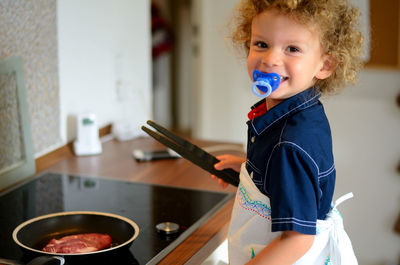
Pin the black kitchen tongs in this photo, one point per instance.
(191, 152)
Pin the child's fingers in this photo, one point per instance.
(225, 161)
(222, 183)
(229, 161)
(219, 165)
(225, 164)
(224, 157)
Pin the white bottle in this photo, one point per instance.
(87, 142)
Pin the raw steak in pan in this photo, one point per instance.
(80, 243)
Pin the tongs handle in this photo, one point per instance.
(191, 152)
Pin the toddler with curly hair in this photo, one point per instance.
(283, 212)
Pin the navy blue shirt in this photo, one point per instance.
(289, 157)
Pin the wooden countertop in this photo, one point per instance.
(116, 162)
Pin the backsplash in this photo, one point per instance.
(28, 28)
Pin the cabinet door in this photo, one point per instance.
(385, 45)
(16, 155)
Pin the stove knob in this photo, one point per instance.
(167, 228)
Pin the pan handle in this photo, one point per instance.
(9, 262)
(42, 260)
(47, 260)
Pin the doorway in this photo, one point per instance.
(174, 51)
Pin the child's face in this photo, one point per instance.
(279, 44)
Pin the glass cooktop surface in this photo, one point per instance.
(145, 204)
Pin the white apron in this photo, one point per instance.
(250, 230)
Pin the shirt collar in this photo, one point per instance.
(297, 102)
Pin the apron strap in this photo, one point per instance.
(341, 249)
(342, 199)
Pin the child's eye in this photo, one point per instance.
(292, 49)
(261, 44)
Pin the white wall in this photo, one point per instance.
(365, 126)
(223, 84)
(104, 61)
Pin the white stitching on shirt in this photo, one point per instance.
(326, 173)
(328, 170)
(301, 149)
(292, 218)
(320, 174)
(253, 166)
(293, 222)
(252, 121)
(291, 143)
(283, 128)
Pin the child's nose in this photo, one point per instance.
(271, 57)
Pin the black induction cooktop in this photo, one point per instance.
(147, 205)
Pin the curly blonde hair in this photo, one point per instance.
(338, 25)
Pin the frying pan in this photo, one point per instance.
(35, 233)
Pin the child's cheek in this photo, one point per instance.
(250, 68)
(253, 63)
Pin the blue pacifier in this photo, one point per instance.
(265, 82)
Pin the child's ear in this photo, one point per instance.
(328, 66)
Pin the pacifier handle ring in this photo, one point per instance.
(263, 84)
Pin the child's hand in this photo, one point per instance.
(227, 161)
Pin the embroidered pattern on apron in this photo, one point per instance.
(328, 261)
(245, 201)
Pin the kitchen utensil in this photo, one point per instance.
(191, 152)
